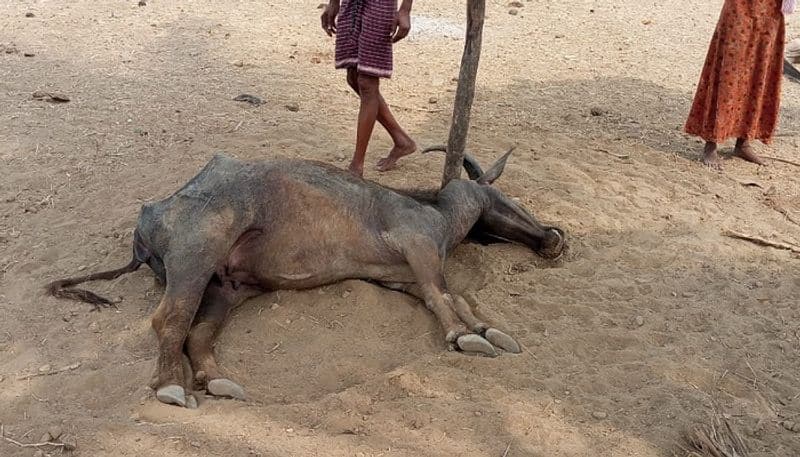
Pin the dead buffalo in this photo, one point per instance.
(239, 229)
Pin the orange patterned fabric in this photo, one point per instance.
(739, 91)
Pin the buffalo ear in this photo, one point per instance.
(496, 169)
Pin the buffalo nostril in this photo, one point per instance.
(553, 244)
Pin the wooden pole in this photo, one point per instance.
(465, 92)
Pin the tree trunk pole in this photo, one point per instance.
(457, 141)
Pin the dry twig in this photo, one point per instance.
(619, 156)
(779, 159)
(762, 241)
(64, 446)
(274, 348)
(74, 366)
(782, 210)
(717, 439)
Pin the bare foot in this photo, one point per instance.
(356, 169)
(744, 151)
(398, 151)
(710, 156)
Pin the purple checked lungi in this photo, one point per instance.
(363, 36)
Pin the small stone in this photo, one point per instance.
(191, 402)
(251, 99)
(687, 295)
(433, 100)
(516, 4)
(478, 414)
(28, 54)
(596, 111)
(45, 437)
(194, 444)
(513, 12)
(45, 368)
(239, 63)
(55, 432)
(346, 293)
(638, 320)
(94, 327)
(70, 443)
(274, 306)
(792, 426)
(29, 14)
(599, 415)
(82, 267)
(142, 3)
(293, 107)
(289, 430)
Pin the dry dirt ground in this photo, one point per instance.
(652, 322)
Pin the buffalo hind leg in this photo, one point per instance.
(464, 312)
(189, 267)
(171, 322)
(219, 299)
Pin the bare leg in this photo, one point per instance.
(710, 156)
(369, 92)
(220, 298)
(403, 144)
(744, 151)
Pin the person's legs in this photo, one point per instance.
(369, 92)
(710, 155)
(403, 144)
(744, 151)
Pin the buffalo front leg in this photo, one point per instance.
(427, 267)
(464, 312)
(495, 336)
(220, 298)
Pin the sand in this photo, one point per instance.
(653, 321)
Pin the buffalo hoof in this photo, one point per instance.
(191, 402)
(222, 387)
(172, 395)
(503, 341)
(476, 343)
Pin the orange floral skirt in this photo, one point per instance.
(739, 91)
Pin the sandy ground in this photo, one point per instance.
(652, 322)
